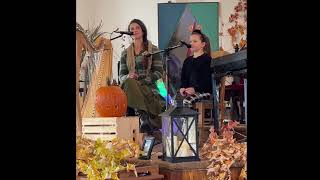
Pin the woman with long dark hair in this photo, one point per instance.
(138, 75)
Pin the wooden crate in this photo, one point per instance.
(203, 134)
(204, 108)
(108, 128)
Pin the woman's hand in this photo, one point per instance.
(190, 91)
(133, 75)
(182, 92)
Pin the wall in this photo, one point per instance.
(85, 12)
(118, 13)
(226, 8)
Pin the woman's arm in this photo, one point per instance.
(156, 66)
(123, 75)
(156, 69)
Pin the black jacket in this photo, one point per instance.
(196, 73)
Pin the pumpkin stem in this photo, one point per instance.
(108, 82)
(114, 83)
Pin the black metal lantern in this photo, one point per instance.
(180, 136)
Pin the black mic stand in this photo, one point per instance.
(116, 37)
(166, 54)
(121, 34)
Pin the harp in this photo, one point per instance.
(93, 70)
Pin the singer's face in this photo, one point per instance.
(137, 31)
(196, 43)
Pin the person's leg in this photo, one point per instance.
(148, 104)
(144, 121)
(134, 95)
(154, 106)
(130, 111)
(136, 100)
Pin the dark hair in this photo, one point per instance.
(203, 38)
(144, 31)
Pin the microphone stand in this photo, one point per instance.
(116, 37)
(166, 54)
(121, 34)
(118, 61)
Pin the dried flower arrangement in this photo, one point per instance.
(223, 153)
(101, 159)
(91, 35)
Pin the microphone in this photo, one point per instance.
(186, 44)
(125, 32)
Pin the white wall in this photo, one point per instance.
(118, 13)
(85, 12)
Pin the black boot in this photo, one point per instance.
(144, 121)
(130, 111)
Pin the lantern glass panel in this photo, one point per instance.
(183, 123)
(166, 135)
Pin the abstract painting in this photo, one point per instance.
(175, 23)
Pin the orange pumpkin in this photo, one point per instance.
(111, 101)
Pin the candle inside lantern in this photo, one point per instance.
(184, 150)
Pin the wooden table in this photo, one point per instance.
(152, 169)
(196, 170)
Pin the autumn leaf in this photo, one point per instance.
(242, 42)
(236, 15)
(231, 19)
(132, 167)
(239, 7)
(222, 175)
(240, 29)
(210, 170)
(115, 176)
(232, 124)
(243, 174)
(232, 31)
